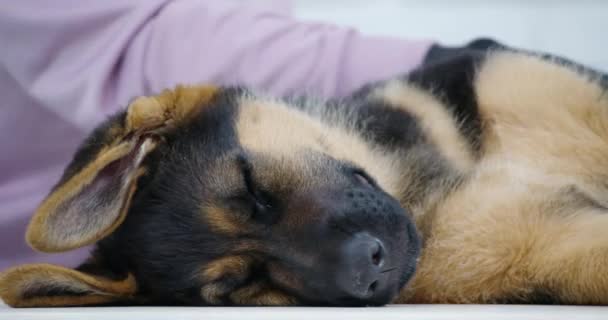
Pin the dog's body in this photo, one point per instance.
(498, 158)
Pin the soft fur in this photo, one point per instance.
(219, 196)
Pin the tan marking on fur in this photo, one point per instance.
(482, 236)
(506, 234)
(260, 294)
(15, 283)
(510, 229)
(213, 293)
(434, 117)
(168, 108)
(41, 236)
(226, 266)
(215, 273)
(544, 115)
(223, 221)
(115, 132)
(283, 276)
(66, 301)
(283, 132)
(573, 264)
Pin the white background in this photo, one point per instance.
(575, 28)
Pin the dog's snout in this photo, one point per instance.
(362, 258)
(367, 252)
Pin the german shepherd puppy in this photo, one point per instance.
(478, 178)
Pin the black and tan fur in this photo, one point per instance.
(219, 196)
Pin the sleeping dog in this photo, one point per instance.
(477, 178)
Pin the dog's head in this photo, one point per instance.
(207, 196)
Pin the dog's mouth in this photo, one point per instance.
(369, 270)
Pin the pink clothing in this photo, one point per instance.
(67, 64)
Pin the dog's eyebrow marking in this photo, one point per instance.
(222, 221)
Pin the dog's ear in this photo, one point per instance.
(45, 285)
(93, 196)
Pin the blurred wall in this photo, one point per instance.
(576, 28)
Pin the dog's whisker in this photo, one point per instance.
(388, 270)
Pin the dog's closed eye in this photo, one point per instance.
(261, 203)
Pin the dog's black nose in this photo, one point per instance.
(362, 258)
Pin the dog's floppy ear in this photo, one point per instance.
(93, 196)
(45, 285)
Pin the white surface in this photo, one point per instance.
(409, 312)
(575, 29)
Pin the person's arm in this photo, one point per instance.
(65, 65)
(86, 58)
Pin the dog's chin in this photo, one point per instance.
(407, 274)
(401, 279)
(412, 255)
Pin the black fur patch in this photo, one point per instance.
(438, 53)
(388, 126)
(452, 80)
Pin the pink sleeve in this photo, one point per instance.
(99, 54)
(66, 64)
(193, 41)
